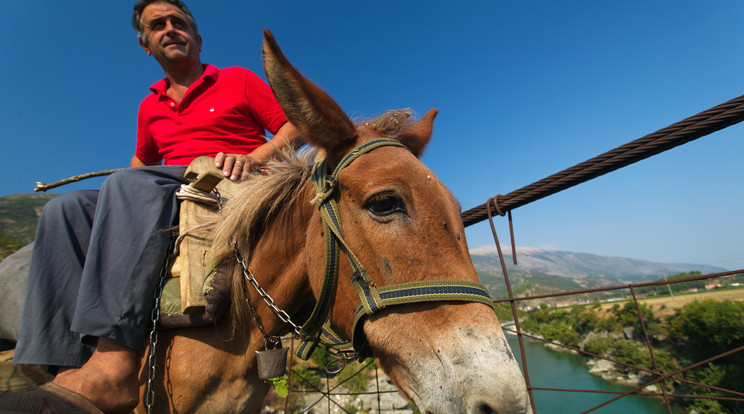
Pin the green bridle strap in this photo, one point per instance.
(423, 291)
(317, 328)
(324, 188)
(328, 337)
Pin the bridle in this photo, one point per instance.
(317, 329)
(372, 298)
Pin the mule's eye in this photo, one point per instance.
(385, 204)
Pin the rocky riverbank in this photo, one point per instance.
(607, 370)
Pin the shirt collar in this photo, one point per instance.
(210, 71)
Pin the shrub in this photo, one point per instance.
(353, 378)
(321, 357)
(305, 376)
(711, 327)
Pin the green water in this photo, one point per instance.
(552, 369)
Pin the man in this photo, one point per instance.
(98, 254)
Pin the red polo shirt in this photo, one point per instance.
(225, 110)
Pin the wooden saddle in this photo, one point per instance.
(199, 204)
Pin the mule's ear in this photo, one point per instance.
(318, 117)
(417, 136)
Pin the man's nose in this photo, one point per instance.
(169, 26)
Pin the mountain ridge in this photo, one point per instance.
(581, 265)
(546, 271)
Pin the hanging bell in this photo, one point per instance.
(271, 362)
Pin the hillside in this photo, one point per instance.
(19, 214)
(547, 270)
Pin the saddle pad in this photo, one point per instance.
(216, 291)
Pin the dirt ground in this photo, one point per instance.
(665, 305)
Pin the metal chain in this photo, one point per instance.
(284, 316)
(270, 342)
(155, 317)
(254, 314)
(342, 356)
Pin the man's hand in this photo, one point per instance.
(238, 166)
(235, 166)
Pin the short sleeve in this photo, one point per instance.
(146, 150)
(263, 105)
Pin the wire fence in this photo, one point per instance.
(315, 392)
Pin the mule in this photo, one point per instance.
(400, 222)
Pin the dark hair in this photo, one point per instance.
(141, 4)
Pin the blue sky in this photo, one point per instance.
(524, 89)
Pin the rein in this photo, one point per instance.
(317, 329)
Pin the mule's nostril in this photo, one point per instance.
(486, 409)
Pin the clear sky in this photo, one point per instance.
(524, 89)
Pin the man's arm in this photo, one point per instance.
(238, 166)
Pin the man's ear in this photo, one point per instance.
(147, 49)
(199, 39)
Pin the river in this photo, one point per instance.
(554, 369)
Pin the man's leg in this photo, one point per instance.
(129, 243)
(60, 247)
(132, 232)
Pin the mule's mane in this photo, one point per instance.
(259, 200)
(390, 123)
(263, 197)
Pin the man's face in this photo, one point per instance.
(169, 36)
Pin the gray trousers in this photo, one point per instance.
(95, 266)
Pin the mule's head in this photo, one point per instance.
(404, 226)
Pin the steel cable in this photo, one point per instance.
(689, 129)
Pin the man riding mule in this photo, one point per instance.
(98, 254)
(371, 233)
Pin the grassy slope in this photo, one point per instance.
(19, 214)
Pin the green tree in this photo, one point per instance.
(706, 328)
(504, 312)
(710, 327)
